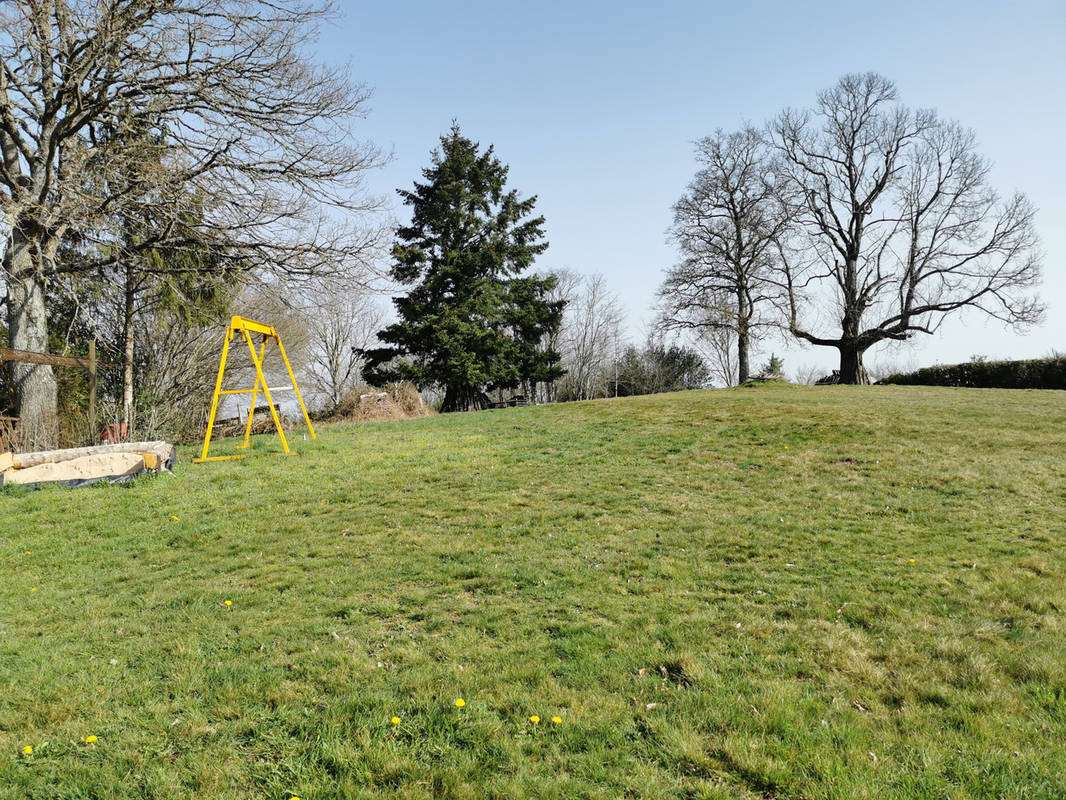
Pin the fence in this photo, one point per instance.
(90, 365)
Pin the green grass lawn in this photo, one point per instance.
(778, 592)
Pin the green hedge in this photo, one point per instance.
(1039, 373)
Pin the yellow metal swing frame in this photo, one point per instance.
(247, 328)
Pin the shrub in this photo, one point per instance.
(1039, 373)
(657, 368)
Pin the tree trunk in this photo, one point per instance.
(743, 337)
(851, 368)
(35, 385)
(464, 398)
(742, 357)
(126, 429)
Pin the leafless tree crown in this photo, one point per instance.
(590, 336)
(898, 224)
(727, 227)
(259, 137)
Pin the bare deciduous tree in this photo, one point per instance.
(899, 223)
(565, 290)
(591, 339)
(340, 328)
(718, 348)
(727, 226)
(257, 136)
(182, 364)
(808, 374)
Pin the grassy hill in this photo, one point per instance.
(777, 592)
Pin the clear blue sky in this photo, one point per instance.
(595, 106)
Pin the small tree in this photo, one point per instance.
(772, 370)
(590, 338)
(657, 368)
(341, 324)
(469, 323)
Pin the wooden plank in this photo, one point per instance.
(30, 357)
(7, 461)
(26, 356)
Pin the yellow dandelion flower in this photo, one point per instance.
(534, 719)
(557, 720)
(29, 553)
(229, 602)
(90, 739)
(174, 518)
(912, 560)
(33, 588)
(395, 720)
(27, 749)
(460, 702)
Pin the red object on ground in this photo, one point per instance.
(110, 434)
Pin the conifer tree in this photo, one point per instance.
(469, 323)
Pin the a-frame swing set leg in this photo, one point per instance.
(260, 378)
(255, 392)
(214, 399)
(299, 396)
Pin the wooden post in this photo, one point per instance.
(92, 390)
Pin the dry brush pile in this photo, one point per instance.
(395, 401)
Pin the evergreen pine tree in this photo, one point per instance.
(469, 323)
(533, 320)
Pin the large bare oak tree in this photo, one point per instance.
(897, 224)
(244, 124)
